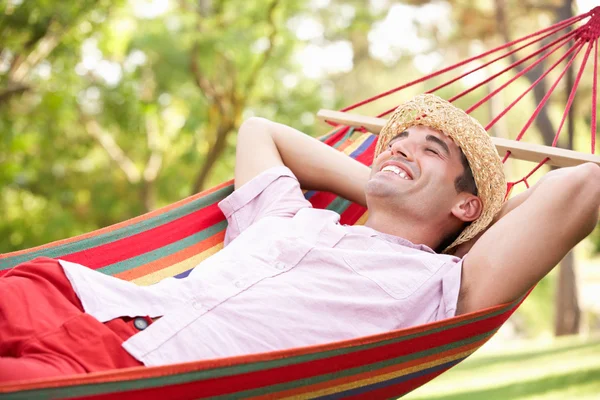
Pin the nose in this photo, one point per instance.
(402, 148)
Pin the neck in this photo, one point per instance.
(417, 231)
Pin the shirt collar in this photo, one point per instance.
(365, 230)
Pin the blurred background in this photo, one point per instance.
(112, 108)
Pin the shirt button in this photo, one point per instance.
(197, 305)
(279, 265)
(239, 284)
(140, 323)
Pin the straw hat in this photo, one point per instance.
(468, 134)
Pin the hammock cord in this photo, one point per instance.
(573, 91)
(574, 39)
(542, 103)
(496, 59)
(511, 105)
(558, 26)
(594, 97)
(560, 41)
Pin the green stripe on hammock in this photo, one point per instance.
(164, 251)
(142, 226)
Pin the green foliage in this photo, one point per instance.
(106, 114)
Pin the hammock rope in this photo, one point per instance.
(173, 240)
(594, 95)
(574, 39)
(558, 26)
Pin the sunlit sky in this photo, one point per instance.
(388, 39)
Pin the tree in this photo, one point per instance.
(567, 312)
(128, 111)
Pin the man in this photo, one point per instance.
(292, 276)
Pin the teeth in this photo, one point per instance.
(392, 168)
(396, 170)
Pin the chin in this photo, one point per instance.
(376, 188)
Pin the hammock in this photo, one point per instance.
(173, 240)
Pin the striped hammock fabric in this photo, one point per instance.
(173, 240)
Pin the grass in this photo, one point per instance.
(566, 368)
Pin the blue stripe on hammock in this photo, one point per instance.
(364, 146)
(183, 274)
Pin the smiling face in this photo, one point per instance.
(416, 175)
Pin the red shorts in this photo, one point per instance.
(44, 331)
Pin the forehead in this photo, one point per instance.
(421, 131)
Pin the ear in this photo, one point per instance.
(468, 207)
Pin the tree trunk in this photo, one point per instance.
(215, 151)
(148, 195)
(567, 312)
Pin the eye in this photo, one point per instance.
(432, 151)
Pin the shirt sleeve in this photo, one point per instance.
(274, 192)
(450, 290)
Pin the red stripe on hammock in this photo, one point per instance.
(337, 136)
(167, 261)
(366, 157)
(252, 380)
(352, 214)
(366, 375)
(149, 240)
(139, 373)
(324, 199)
(352, 360)
(120, 225)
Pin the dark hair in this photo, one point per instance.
(463, 183)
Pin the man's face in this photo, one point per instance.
(416, 172)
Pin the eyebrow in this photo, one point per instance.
(402, 134)
(440, 142)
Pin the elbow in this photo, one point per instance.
(254, 125)
(584, 184)
(583, 178)
(587, 178)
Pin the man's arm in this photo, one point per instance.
(514, 202)
(263, 144)
(533, 236)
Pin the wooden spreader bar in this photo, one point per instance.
(519, 150)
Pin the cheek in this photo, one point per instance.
(441, 178)
(381, 157)
(377, 161)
